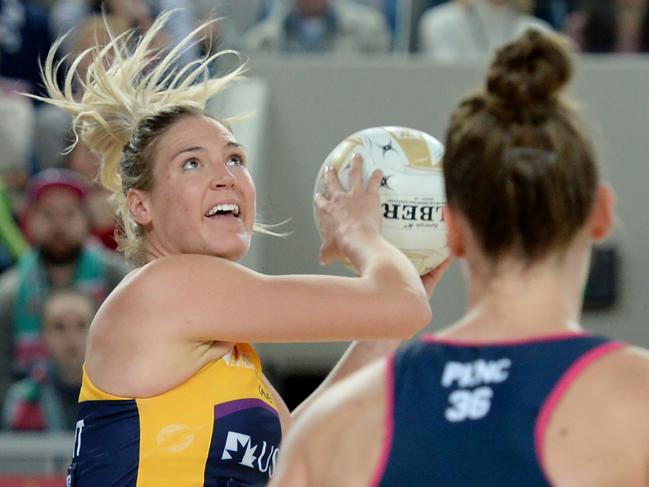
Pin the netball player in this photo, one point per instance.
(514, 393)
(173, 394)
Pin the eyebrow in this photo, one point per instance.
(230, 144)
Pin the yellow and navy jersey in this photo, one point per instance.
(219, 428)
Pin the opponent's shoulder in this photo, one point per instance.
(340, 435)
(630, 367)
(621, 378)
(349, 397)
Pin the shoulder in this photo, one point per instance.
(185, 266)
(345, 426)
(351, 395)
(176, 275)
(629, 367)
(618, 380)
(605, 412)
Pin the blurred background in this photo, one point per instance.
(318, 70)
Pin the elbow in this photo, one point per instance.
(424, 313)
(417, 314)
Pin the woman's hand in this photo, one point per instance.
(432, 278)
(348, 215)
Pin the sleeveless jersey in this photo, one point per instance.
(475, 414)
(219, 428)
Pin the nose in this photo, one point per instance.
(223, 177)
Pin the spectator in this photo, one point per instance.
(69, 14)
(57, 227)
(24, 37)
(16, 120)
(12, 243)
(471, 30)
(605, 26)
(52, 124)
(320, 26)
(102, 217)
(554, 12)
(47, 400)
(235, 19)
(417, 8)
(16, 140)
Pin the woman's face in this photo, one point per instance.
(203, 197)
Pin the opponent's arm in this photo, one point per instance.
(339, 440)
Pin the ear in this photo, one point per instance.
(601, 217)
(455, 234)
(140, 205)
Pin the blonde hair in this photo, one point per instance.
(131, 95)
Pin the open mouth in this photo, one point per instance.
(223, 209)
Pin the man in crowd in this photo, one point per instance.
(56, 224)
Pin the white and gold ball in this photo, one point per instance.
(412, 190)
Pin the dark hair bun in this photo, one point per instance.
(531, 69)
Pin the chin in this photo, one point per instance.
(233, 252)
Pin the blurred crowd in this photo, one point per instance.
(57, 252)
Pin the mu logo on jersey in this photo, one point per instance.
(240, 448)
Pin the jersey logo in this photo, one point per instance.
(240, 360)
(239, 447)
(471, 398)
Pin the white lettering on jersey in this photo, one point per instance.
(469, 404)
(266, 460)
(240, 361)
(77, 438)
(475, 373)
(471, 398)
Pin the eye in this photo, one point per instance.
(235, 160)
(190, 164)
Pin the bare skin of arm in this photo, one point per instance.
(338, 441)
(169, 318)
(362, 353)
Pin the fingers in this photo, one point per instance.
(374, 182)
(324, 257)
(320, 201)
(432, 278)
(328, 249)
(439, 271)
(356, 172)
(332, 183)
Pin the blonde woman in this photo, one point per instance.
(515, 393)
(173, 394)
